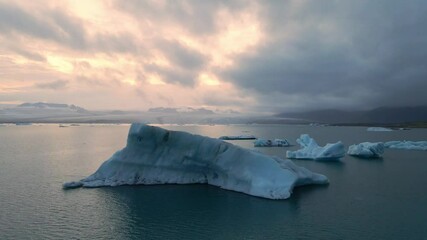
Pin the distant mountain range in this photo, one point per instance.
(382, 115)
(40, 112)
(55, 106)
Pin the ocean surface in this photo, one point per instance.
(366, 199)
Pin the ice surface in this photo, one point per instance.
(378, 129)
(366, 150)
(311, 150)
(157, 156)
(271, 143)
(408, 145)
(240, 137)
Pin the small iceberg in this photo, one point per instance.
(407, 145)
(23, 124)
(240, 137)
(366, 150)
(379, 129)
(158, 156)
(271, 143)
(311, 150)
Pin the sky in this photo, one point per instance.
(248, 56)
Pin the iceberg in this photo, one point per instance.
(158, 156)
(408, 145)
(366, 150)
(311, 150)
(23, 124)
(240, 137)
(271, 143)
(379, 129)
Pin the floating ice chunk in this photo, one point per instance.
(379, 129)
(72, 185)
(408, 145)
(271, 143)
(366, 150)
(310, 150)
(240, 137)
(157, 156)
(23, 124)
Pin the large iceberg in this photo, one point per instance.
(158, 156)
(366, 150)
(408, 145)
(311, 150)
(271, 143)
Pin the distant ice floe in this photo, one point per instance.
(240, 137)
(318, 125)
(158, 156)
(407, 145)
(23, 124)
(311, 150)
(366, 150)
(379, 129)
(271, 143)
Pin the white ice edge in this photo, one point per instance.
(310, 150)
(366, 150)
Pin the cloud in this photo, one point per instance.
(54, 85)
(173, 75)
(28, 54)
(184, 63)
(182, 56)
(14, 19)
(260, 56)
(197, 17)
(61, 27)
(116, 43)
(51, 25)
(359, 54)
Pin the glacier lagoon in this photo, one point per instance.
(366, 199)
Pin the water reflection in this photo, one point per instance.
(197, 211)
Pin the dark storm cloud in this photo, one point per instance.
(371, 53)
(182, 56)
(55, 26)
(122, 43)
(174, 75)
(13, 18)
(54, 85)
(185, 63)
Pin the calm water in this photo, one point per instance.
(366, 199)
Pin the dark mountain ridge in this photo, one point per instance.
(43, 105)
(384, 115)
